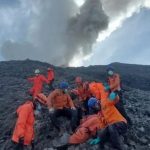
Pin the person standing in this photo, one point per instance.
(38, 80)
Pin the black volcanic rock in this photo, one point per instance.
(13, 88)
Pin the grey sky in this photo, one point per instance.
(61, 33)
(128, 44)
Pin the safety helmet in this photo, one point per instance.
(37, 71)
(110, 70)
(78, 80)
(63, 85)
(92, 102)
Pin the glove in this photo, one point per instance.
(94, 141)
(112, 96)
(51, 110)
(107, 88)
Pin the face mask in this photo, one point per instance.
(110, 73)
(66, 91)
(97, 107)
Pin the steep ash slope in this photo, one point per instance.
(13, 87)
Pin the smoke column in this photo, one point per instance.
(57, 31)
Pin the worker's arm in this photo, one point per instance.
(95, 92)
(31, 79)
(50, 75)
(53, 75)
(44, 79)
(70, 102)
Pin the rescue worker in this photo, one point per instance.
(60, 104)
(115, 123)
(89, 125)
(23, 135)
(114, 85)
(106, 122)
(83, 93)
(38, 80)
(87, 129)
(50, 77)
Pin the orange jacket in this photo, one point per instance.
(25, 124)
(97, 90)
(93, 123)
(110, 112)
(87, 129)
(114, 82)
(83, 93)
(50, 75)
(42, 98)
(58, 100)
(37, 84)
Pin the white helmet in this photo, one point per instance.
(37, 71)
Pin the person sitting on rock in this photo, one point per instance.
(114, 85)
(87, 129)
(83, 93)
(23, 134)
(115, 123)
(60, 104)
(50, 77)
(107, 124)
(37, 81)
(97, 89)
(89, 125)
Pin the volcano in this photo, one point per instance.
(14, 85)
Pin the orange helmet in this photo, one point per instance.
(78, 80)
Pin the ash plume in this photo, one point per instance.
(57, 31)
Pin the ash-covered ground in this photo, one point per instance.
(14, 85)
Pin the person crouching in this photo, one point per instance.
(60, 104)
(23, 134)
